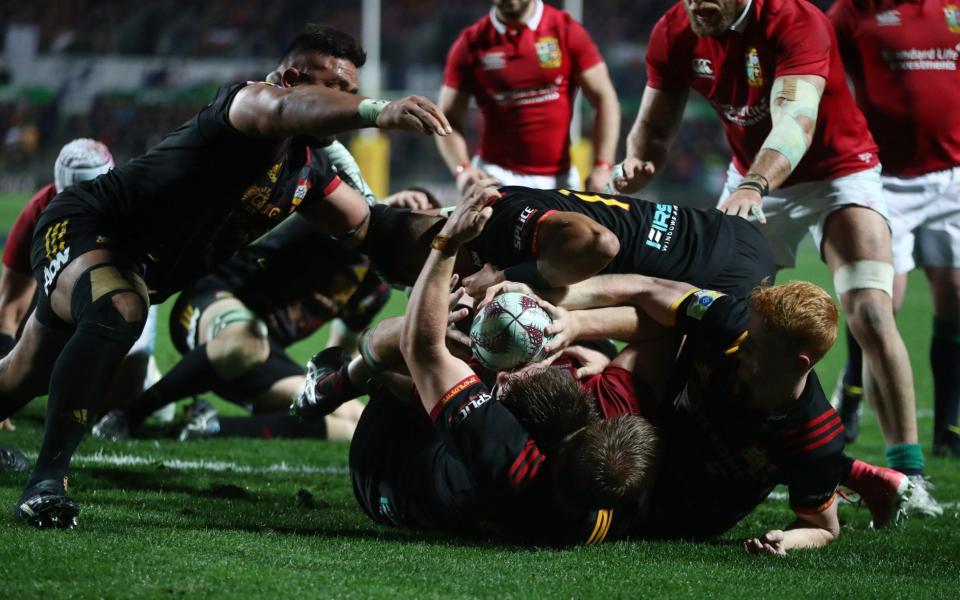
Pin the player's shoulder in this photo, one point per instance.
(477, 31)
(553, 16)
(673, 28)
(794, 12)
(816, 430)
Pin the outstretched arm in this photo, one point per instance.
(599, 91)
(649, 140)
(434, 368)
(806, 531)
(273, 112)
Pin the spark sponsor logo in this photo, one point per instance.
(754, 71)
(491, 61)
(470, 406)
(528, 212)
(922, 59)
(664, 225)
(548, 52)
(50, 271)
(888, 18)
(702, 68)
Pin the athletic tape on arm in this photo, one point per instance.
(864, 274)
(798, 98)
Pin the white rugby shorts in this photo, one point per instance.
(925, 212)
(569, 180)
(795, 210)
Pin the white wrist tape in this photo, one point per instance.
(864, 274)
(369, 109)
(790, 99)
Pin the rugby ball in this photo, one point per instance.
(508, 332)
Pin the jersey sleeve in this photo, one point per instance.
(661, 74)
(486, 437)
(583, 50)
(716, 321)
(615, 392)
(323, 172)
(458, 72)
(16, 251)
(801, 34)
(213, 121)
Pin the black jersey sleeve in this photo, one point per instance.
(814, 451)
(486, 436)
(510, 236)
(213, 122)
(715, 321)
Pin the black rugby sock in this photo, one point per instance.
(192, 376)
(272, 425)
(82, 372)
(945, 362)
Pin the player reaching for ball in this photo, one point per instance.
(471, 463)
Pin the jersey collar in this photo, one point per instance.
(744, 19)
(532, 24)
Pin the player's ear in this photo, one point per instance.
(804, 361)
(290, 77)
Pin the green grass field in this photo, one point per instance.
(277, 518)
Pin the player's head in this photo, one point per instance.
(550, 404)
(512, 10)
(712, 17)
(321, 55)
(792, 327)
(610, 463)
(81, 160)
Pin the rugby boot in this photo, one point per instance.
(45, 505)
(324, 389)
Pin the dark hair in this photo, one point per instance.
(550, 404)
(328, 41)
(607, 464)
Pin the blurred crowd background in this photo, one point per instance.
(128, 71)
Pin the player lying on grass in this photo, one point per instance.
(79, 160)
(740, 411)
(104, 250)
(551, 238)
(456, 459)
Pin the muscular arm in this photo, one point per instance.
(272, 112)
(572, 247)
(794, 117)
(655, 297)
(344, 214)
(649, 140)
(599, 91)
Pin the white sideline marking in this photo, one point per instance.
(129, 460)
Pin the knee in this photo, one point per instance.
(869, 314)
(130, 306)
(238, 349)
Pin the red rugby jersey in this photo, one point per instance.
(735, 73)
(904, 58)
(524, 81)
(16, 251)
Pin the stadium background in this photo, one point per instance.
(248, 518)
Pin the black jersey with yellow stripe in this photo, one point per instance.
(659, 240)
(721, 456)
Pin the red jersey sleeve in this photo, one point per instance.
(660, 74)
(614, 391)
(582, 49)
(458, 73)
(802, 36)
(16, 252)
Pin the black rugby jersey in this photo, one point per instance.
(205, 190)
(297, 278)
(720, 457)
(659, 240)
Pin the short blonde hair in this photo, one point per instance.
(801, 312)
